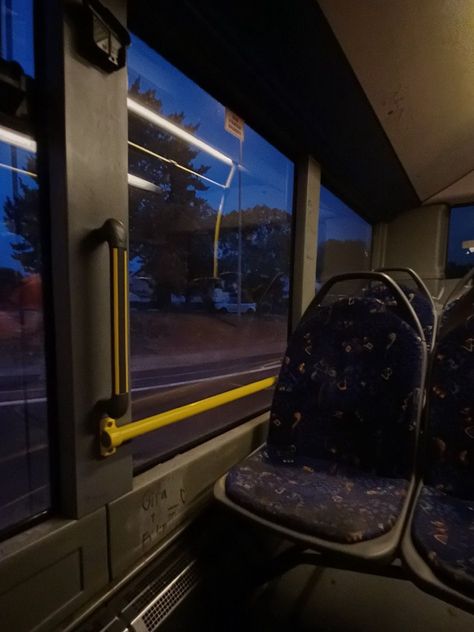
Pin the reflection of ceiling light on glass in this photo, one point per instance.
(175, 130)
(17, 139)
(469, 245)
(18, 170)
(175, 164)
(26, 142)
(140, 183)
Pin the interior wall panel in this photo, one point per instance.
(416, 239)
(49, 571)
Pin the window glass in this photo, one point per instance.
(24, 462)
(344, 238)
(210, 221)
(16, 33)
(460, 241)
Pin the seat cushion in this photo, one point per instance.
(318, 497)
(443, 532)
(450, 434)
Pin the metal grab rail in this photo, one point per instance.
(421, 285)
(112, 436)
(114, 234)
(381, 277)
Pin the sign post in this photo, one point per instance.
(235, 126)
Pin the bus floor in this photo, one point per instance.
(231, 559)
(316, 599)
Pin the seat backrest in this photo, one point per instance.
(422, 307)
(457, 295)
(349, 389)
(450, 432)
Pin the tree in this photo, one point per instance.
(22, 219)
(162, 223)
(265, 248)
(265, 240)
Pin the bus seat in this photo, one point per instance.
(442, 525)
(337, 469)
(419, 297)
(460, 290)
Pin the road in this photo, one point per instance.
(150, 385)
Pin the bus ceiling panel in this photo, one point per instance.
(415, 63)
(285, 73)
(459, 192)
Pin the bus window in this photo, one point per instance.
(24, 459)
(210, 223)
(344, 238)
(460, 257)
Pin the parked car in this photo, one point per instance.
(141, 291)
(232, 307)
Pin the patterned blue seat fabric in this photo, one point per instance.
(339, 454)
(443, 523)
(421, 306)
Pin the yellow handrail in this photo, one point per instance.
(112, 436)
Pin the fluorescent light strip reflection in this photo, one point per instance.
(175, 164)
(29, 144)
(140, 183)
(18, 170)
(17, 139)
(133, 181)
(175, 130)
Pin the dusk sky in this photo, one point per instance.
(339, 221)
(18, 44)
(6, 189)
(18, 47)
(461, 228)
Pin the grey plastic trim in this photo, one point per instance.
(88, 163)
(306, 225)
(418, 238)
(81, 615)
(48, 572)
(172, 493)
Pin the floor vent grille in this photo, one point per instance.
(166, 600)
